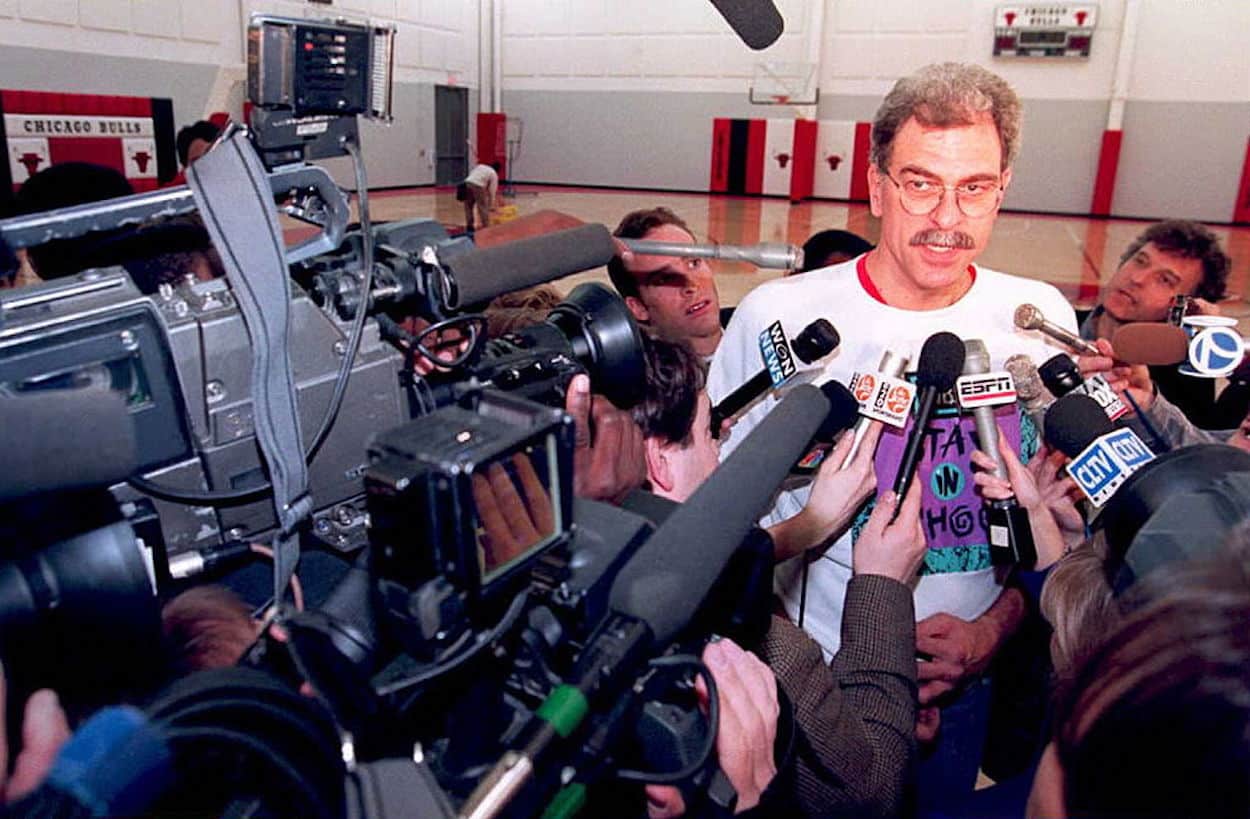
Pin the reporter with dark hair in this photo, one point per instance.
(855, 716)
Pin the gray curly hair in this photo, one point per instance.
(947, 95)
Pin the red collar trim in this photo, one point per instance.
(861, 269)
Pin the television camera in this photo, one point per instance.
(495, 642)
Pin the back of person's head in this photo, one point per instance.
(519, 309)
(674, 379)
(1189, 240)
(635, 225)
(205, 627)
(202, 130)
(61, 186)
(948, 95)
(829, 247)
(1079, 604)
(1156, 722)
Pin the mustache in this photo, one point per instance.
(944, 238)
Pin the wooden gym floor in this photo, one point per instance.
(1075, 254)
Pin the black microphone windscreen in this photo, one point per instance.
(64, 439)
(1060, 374)
(487, 272)
(667, 579)
(843, 410)
(1073, 422)
(816, 341)
(941, 361)
(757, 22)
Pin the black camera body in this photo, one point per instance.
(461, 503)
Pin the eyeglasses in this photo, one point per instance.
(920, 196)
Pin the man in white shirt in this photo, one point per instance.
(943, 143)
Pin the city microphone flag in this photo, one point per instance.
(133, 135)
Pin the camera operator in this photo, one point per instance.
(855, 715)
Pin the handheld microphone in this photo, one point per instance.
(483, 273)
(1102, 457)
(1011, 537)
(1029, 317)
(843, 410)
(1061, 376)
(941, 359)
(116, 764)
(769, 255)
(892, 367)
(1033, 395)
(816, 341)
(1150, 343)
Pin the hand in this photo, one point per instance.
(44, 731)
(512, 522)
(892, 549)
(1021, 484)
(835, 496)
(958, 650)
(1133, 379)
(928, 720)
(837, 492)
(1202, 307)
(1059, 495)
(609, 460)
(747, 695)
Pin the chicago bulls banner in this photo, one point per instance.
(134, 135)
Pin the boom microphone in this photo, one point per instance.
(770, 255)
(64, 439)
(666, 580)
(941, 359)
(482, 274)
(1029, 317)
(816, 341)
(757, 22)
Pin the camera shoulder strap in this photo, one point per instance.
(233, 193)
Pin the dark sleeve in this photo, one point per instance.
(1193, 396)
(855, 717)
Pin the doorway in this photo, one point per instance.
(451, 134)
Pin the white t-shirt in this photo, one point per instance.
(484, 177)
(957, 576)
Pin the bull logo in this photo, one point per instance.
(782, 159)
(141, 159)
(834, 161)
(31, 160)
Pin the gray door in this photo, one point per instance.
(451, 134)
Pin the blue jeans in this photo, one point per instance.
(946, 771)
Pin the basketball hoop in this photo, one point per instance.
(779, 83)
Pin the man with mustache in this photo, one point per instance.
(943, 144)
